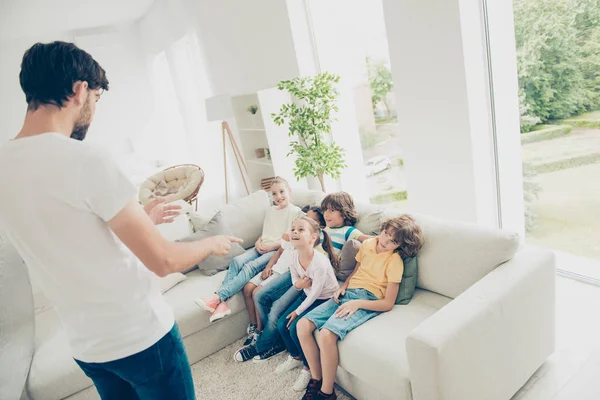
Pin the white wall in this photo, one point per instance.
(249, 44)
(440, 79)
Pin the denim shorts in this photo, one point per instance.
(323, 317)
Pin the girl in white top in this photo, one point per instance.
(253, 261)
(314, 274)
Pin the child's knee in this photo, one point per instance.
(328, 337)
(282, 325)
(305, 327)
(249, 289)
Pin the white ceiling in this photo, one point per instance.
(24, 18)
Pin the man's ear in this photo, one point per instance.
(80, 92)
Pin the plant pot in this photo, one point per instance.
(260, 153)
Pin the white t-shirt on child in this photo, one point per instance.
(59, 194)
(277, 222)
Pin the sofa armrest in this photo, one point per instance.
(488, 341)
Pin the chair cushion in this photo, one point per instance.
(375, 351)
(179, 183)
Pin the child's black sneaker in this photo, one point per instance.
(312, 389)
(252, 335)
(245, 353)
(265, 355)
(323, 396)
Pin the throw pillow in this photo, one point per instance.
(409, 281)
(168, 282)
(348, 259)
(216, 226)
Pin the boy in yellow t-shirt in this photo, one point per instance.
(370, 290)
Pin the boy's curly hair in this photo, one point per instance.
(406, 232)
(342, 202)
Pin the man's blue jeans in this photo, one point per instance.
(271, 302)
(241, 270)
(162, 371)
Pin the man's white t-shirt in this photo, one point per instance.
(57, 195)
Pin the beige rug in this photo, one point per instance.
(219, 377)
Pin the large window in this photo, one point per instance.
(558, 53)
(353, 45)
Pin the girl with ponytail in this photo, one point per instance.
(313, 273)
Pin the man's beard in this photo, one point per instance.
(82, 124)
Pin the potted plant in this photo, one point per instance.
(252, 109)
(310, 121)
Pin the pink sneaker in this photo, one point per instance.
(208, 303)
(221, 312)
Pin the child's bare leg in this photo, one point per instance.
(248, 289)
(259, 326)
(305, 329)
(329, 358)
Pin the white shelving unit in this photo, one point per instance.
(259, 131)
(252, 136)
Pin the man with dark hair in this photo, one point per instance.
(74, 218)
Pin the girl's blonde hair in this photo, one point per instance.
(279, 179)
(327, 245)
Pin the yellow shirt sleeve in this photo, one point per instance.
(360, 254)
(395, 269)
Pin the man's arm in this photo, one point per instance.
(137, 231)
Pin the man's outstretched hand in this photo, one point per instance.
(221, 244)
(161, 213)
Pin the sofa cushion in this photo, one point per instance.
(348, 259)
(370, 217)
(409, 281)
(53, 373)
(375, 351)
(213, 264)
(455, 255)
(190, 317)
(305, 197)
(245, 216)
(168, 282)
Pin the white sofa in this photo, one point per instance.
(481, 321)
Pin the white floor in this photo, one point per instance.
(573, 372)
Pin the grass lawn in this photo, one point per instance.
(591, 116)
(567, 215)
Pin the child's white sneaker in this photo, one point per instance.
(302, 380)
(289, 364)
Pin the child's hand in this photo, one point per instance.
(267, 272)
(260, 247)
(286, 237)
(304, 283)
(347, 309)
(337, 294)
(293, 315)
